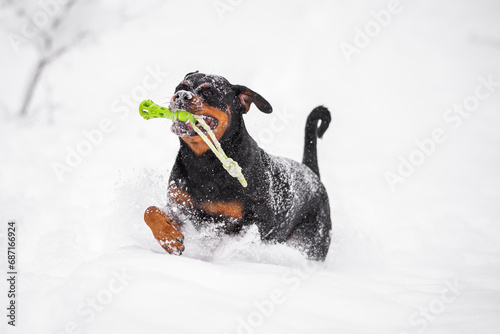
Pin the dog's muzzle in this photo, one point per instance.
(181, 100)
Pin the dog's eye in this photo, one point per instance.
(181, 87)
(207, 91)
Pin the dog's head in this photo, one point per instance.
(221, 103)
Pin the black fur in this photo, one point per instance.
(310, 158)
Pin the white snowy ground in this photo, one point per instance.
(422, 258)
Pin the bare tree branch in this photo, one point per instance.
(67, 8)
(47, 56)
(63, 32)
(42, 64)
(35, 78)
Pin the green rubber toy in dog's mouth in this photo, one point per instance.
(188, 124)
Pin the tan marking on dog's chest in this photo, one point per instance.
(232, 209)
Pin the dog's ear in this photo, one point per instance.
(191, 73)
(248, 96)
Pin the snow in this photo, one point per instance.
(421, 258)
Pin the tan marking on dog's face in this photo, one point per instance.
(196, 143)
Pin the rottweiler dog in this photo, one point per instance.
(284, 199)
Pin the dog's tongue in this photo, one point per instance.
(209, 122)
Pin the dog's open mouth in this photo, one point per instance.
(186, 129)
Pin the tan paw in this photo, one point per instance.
(165, 229)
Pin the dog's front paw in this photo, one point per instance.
(165, 229)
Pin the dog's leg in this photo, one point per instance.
(312, 234)
(165, 229)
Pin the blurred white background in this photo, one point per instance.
(79, 165)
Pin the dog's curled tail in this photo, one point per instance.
(313, 131)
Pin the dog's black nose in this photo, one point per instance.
(183, 96)
(181, 100)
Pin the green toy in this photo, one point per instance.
(148, 109)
